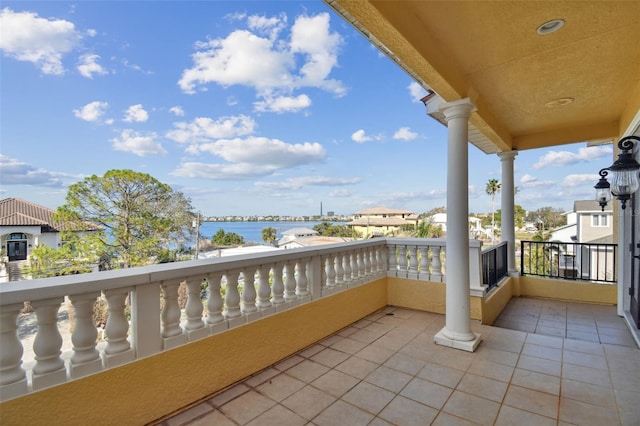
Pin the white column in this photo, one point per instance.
(457, 330)
(507, 229)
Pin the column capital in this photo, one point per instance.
(507, 155)
(461, 108)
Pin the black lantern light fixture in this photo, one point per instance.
(624, 175)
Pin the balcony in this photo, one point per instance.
(163, 359)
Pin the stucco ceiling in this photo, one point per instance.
(579, 83)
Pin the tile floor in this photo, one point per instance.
(386, 370)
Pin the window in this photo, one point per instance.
(599, 220)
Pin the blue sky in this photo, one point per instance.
(246, 107)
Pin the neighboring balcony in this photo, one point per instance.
(257, 310)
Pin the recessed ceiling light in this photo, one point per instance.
(550, 26)
(559, 102)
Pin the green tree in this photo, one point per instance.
(547, 218)
(141, 217)
(493, 187)
(269, 235)
(327, 229)
(222, 238)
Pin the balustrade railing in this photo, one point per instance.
(146, 315)
(571, 261)
(494, 264)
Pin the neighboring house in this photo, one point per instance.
(293, 234)
(23, 226)
(586, 224)
(475, 225)
(313, 241)
(381, 221)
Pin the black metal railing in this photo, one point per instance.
(571, 261)
(494, 264)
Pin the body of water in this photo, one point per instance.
(252, 231)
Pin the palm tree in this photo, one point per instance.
(269, 235)
(493, 187)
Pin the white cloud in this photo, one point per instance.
(580, 180)
(341, 193)
(91, 111)
(283, 104)
(221, 171)
(405, 134)
(136, 113)
(359, 136)
(15, 172)
(301, 182)
(416, 91)
(88, 65)
(528, 181)
(27, 37)
(269, 64)
(565, 158)
(205, 129)
(177, 110)
(138, 144)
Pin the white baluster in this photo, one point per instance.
(413, 262)
(264, 290)
(86, 358)
(215, 319)
(339, 269)
(392, 260)
(381, 254)
(402, 261)
(249, 291)
(194, 327)
(232, 299)
(331, 270)
(171, 310)
(13, 379)
(373, 260)
(346, 265)
(118, 350)
(302, 282)
(366, 254)
(436, 264)
(290, 281)
(278, 286)
(49, 368)
(424, 262)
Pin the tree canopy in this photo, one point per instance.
(269, 234)
(222, 238)
(327, 229)
(141, 217)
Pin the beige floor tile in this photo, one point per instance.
(366, 336)
(549, 341)
(335, 382)
(490, 369)
(583, 347)
(229, 394)
(311, 351)
(454, 358)
(533, 401)
(483, 387)
(262, 377)
(583, 414)
(347, 331)
(341, 413)
(368, 397)
(348, 346)
(426, 392)
(190, 414)
(402, 411)
(276, 416)
(446, 419)
(586, 374)
(289, 362)
(308, 402)
(331, 340)
(586, 360)
(357, 367)
(628, 402)
(379, 422)
(623, 340)
(442, 375)
(212, 418)
(550, 331)
(307, 371)
(626, 381)
(247, 407)
(498, 356)
(280, 387)
(388, 379)
(329, 357)
(375, 354)
(583, 335)
(404, 363)
(542, 352)
(585, 392)
(472, 408)
(510, 416)
(536, 381)
(540, 365)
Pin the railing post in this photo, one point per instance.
(249, 308)
(475, 268)
(413, 262)
(215, 320)
(194, 327)
(423, 274)
(436, 264)
(339, 269)
(264, 291)
(290, 282)
(278, 286)
(118, 350)
(49, 369)
(314, 275)
(402, 261)
(145, 319)
(302, 282)
(172, 333)
(346, 267)
(86, 358)
(331, 271)
(392, 268)
(232, 299)
(13, 378)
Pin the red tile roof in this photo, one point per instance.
(18, 212)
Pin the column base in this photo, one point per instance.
(465, 345)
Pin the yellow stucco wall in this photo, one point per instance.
(422, 295)
(496, 301)
(146, 390)
(567, 290)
